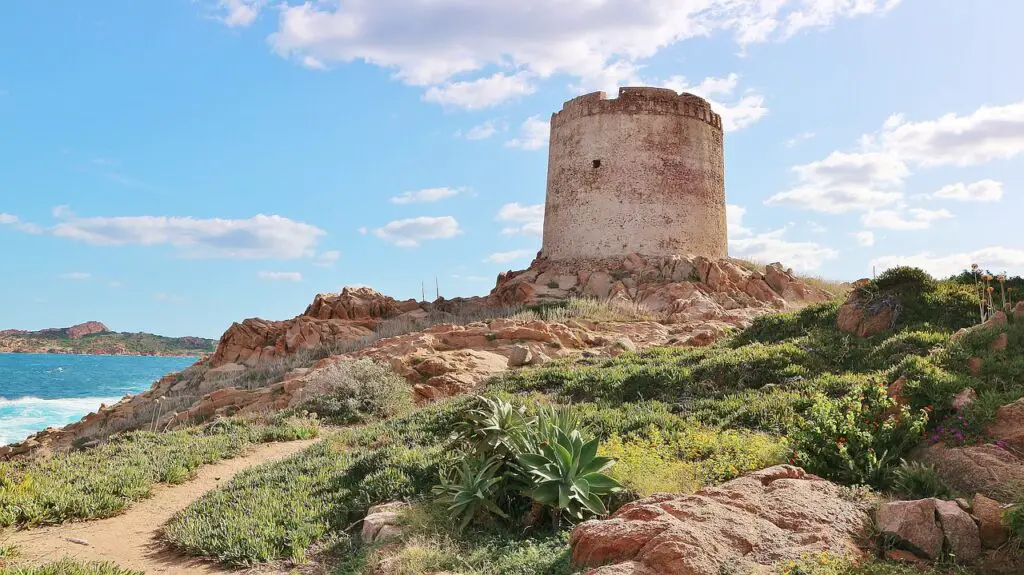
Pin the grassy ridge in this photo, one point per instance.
(101, 482)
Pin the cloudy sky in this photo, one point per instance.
(175, 166)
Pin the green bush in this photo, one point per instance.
(101, 482)
(895, 348)
(68, 566)
(928, 385)
(951, 307)
(683, 460)
(775, 328)
(904, 281)
(1015, 522)
(859, 438)
(360, 391)
(915, 480)
(664, 374)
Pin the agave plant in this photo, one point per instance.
(495, 427)
(472, 489)
(567, 474)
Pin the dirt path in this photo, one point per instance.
(130, 539)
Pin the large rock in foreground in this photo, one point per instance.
(776, 514)
(995, 470)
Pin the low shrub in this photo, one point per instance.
(349, 392)
(895, 348)
(664, 374)
(68, 566)
(686, 459)
(904, 281)
(101, 482)
(1015, 522)
(431, 544)
(774, 328)
(915, 480)
(858, 438)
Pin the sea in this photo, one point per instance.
(42, 390)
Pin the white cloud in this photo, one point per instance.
(482, 92)
(408, 233)
(981, 191)
(864, 238)
(533, 134)
(999, 258)
(506, 257)
(911, 219)
(529, 220)
(312, 63)
(773, 247)
(799, 138)
(737, 114)
(75, 276)
(816, 228)
(258, 237)
(280, 276)
(428, 43)
(62, 211)
(824, 13)
(484, 130)
(114, 284)
(327, 259)
(15, 222)
(239, 12)
(424, 196)
(989, 133)
(845, 182)
(734, 218)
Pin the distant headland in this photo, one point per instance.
(94, 338)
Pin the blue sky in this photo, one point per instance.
(175, 166)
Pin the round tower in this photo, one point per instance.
(643, 173)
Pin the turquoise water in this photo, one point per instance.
(40, 390)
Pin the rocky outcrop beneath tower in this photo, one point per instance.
(671, 289)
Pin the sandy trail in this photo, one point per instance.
(130, 539)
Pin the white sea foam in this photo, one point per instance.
(23, 416)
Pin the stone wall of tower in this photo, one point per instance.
(642, 173)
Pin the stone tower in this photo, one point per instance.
(643, 173)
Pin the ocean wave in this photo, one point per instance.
(23, 416)
(65, 403)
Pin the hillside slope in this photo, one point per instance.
(95, 338)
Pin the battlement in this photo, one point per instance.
(639, 100)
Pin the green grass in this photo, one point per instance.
(431, 544)
(102, 481)
(70, 567)
(277, 510)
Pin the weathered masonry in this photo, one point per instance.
(642, 173)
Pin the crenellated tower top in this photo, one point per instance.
(641, 100)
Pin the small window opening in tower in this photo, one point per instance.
(597, 163)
